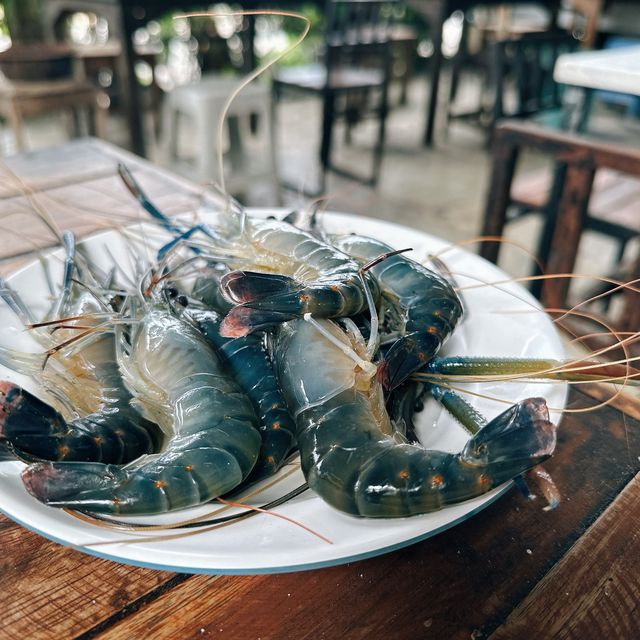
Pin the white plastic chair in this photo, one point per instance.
(249, 155)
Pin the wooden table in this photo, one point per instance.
(512, 571)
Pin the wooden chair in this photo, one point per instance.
(25, 98)
(356, 64)
(567, 210)
(520, 79)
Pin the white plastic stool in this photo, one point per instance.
(250, 156)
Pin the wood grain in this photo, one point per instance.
(53, 592)
(594, 591)
(463, 582)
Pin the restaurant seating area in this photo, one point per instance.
(496, 143)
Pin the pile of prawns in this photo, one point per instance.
(288, 339)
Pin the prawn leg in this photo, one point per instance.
(180, 235)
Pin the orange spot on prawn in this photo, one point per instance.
(98, 440)
(484, 481)
(422, 356)
(275, 405)
(305, 298)
(404, 474)
(275, 426)
(437, 481)
(63, 451)
(432, 330)
(188, 467)
(160, 484)
(334, 287)
(271, 460)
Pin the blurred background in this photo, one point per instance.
(387, 108)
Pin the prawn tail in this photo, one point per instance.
(241, 321)
(513, 442)
(283, 298)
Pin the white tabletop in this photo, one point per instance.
(608, 69)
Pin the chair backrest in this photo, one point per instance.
(582, 157)
(358, 32)
(524, 66)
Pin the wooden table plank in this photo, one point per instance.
(54, 592)
(601, 572)
(83, 193)
(463, 582)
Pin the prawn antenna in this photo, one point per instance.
(382, 258)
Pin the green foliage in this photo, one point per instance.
(24, 21)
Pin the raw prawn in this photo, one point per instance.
(213, 433)
(249, 362)
(292, 272)
(349, 454)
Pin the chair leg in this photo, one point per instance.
(327, 135)
(505, 157)
(549, 225)
(573, 203)
(15, 120)
(99, 121)
(379, 148)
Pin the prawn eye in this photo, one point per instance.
(172, 292)
(182, 300)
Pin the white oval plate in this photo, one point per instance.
(500, 320)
